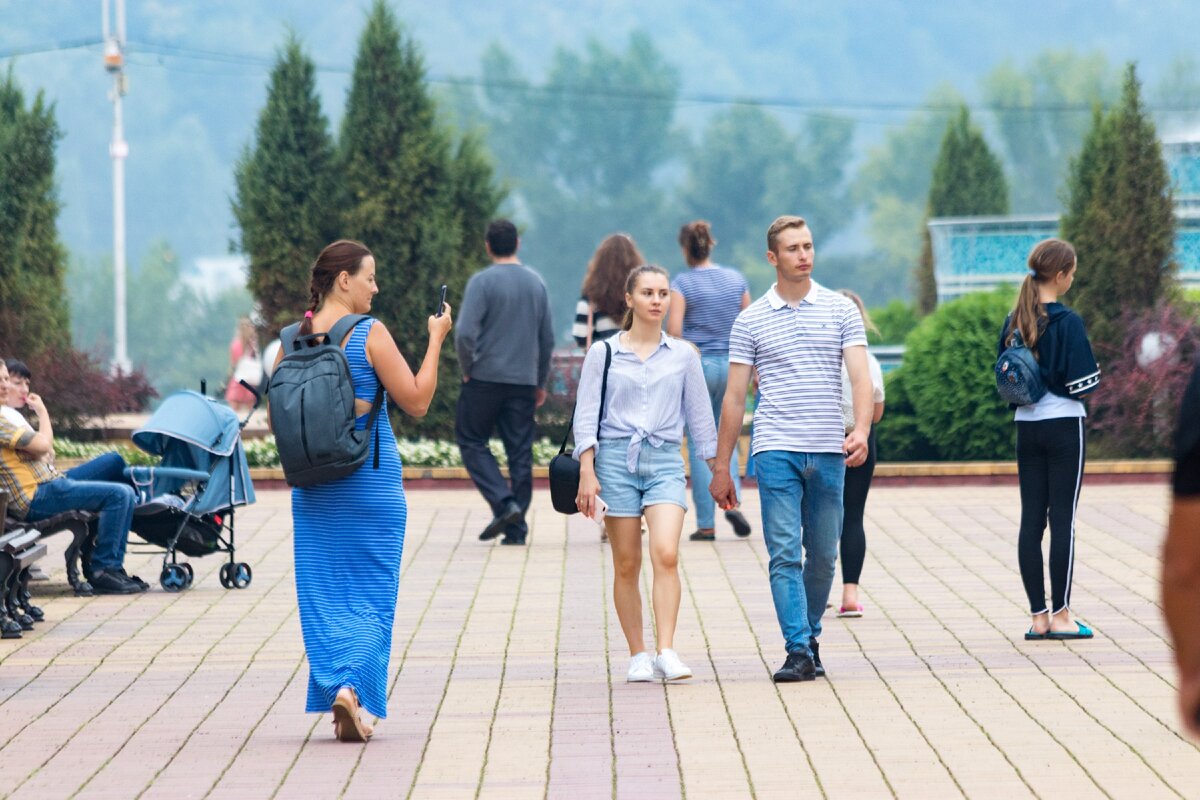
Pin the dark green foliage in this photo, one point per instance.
(33, 313)
(967, 181)
(897, 435)
(420, 205)
(948, 362)
(1120, 219)
(286, 190)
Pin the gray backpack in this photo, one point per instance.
(312, 407)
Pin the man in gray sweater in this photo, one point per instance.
(504, 338)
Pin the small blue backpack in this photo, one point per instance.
(1018, 376)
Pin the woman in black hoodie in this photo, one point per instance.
(1050, 435)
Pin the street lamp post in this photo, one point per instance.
(118, 149)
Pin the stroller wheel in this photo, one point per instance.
(242, 575)
(191, 573)
(173, 578)
(226, 575)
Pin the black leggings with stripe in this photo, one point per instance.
(1050, 457)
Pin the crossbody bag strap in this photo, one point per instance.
(603, 400)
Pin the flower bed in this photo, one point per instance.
(262, 452)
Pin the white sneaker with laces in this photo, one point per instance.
(668, 667)
(641, 668)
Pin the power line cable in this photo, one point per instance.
(52, 47)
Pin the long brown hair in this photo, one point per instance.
(631, 283)
(1047, 259)
(344, 255)
(697, 241)
(604, 282)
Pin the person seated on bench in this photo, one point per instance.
(38, 491)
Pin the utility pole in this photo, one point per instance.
(118, 149)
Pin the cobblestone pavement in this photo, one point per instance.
(508, 672)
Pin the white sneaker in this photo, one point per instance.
(668, 667)
(641, 668)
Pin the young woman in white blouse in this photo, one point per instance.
(655, 386)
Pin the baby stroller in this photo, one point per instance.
(186, 503)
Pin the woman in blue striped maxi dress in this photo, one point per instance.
(349, 533)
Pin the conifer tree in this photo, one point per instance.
(34, 314)
(286, 190)
(1120, 220)
(968, 180)
(420, 209)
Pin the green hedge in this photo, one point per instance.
(947, 377)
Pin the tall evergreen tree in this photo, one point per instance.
(1120, 219)
(286, 189)
(34, 314)
(420, 208)
(967, 181)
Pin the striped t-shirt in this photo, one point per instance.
(603, 326)
(798, 354)
(714, 299)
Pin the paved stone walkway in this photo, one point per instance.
(508, 672)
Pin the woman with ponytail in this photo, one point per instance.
(633, 467)
(349, 533)
(705, 300)
(1050, 435)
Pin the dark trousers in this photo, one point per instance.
(854, 503)
(1050, 456)
(505, 408)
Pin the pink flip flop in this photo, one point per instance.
(850, 613)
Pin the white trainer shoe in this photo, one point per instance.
(668, 667)
(641, 668)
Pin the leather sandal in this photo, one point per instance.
(347, 726)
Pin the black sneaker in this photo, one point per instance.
(510, 538)
(112, 582)
(508, 515)
(740, 525)
(815, 647)
(132, 578)
(798, 667)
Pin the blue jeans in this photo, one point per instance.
(716, 376)
(93, 486)
(801, 497)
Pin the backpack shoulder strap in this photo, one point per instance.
(288, 338)
(343, 326)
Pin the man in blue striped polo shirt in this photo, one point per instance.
(796, 337)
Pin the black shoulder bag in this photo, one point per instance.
(564, 469)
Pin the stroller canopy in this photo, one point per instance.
(196, 432)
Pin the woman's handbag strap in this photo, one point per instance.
(603, 399)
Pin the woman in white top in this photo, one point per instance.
(853, 544)
(634, 467)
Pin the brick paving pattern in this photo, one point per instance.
(508, 672)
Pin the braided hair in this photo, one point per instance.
(344, 255)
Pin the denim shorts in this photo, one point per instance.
(659, 477)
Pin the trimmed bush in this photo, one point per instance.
(948, 359)
(897, 435)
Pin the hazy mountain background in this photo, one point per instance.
(197, 73)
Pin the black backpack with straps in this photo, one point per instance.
(312, 407)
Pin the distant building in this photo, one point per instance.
(974, 253)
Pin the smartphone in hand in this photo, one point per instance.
(441, 306)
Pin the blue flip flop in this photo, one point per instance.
(1083, 632)
(1032, 636)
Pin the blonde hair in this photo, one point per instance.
(1047, 259)
(631, 283)
(780, 225)
(862, 309)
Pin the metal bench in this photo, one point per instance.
(74, 522)
(18, 549)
